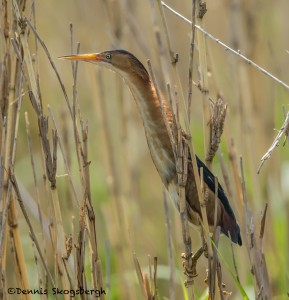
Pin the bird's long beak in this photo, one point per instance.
(91, 57)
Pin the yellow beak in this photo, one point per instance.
(92, 57)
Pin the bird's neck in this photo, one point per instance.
(155, 127)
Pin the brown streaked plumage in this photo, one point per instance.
(143, 90)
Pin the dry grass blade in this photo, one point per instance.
(139, 275)
(149, 292)
(147, 286)
(283, 130)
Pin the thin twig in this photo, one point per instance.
(164, 65)
(286, 132)
(262, 229)
(170, 250)
(225, 175)
(36, 55)
(64, 157)
(52, 65)
(191, 62)
(155, 278)
(283, 130)
(204, 80)
(173, 55)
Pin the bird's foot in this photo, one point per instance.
(190, 265)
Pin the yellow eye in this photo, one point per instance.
(108, 56)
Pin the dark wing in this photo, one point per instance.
(209, 179)
(229, 223)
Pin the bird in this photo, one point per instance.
(160, 145)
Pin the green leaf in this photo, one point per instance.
(238, 284)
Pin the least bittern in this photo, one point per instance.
(159, 142)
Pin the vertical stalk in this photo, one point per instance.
(200, 11)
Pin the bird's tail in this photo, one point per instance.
(231, 226)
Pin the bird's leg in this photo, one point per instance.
(191, 259)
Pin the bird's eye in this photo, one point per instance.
(108, 56)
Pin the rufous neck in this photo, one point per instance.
(155, 127)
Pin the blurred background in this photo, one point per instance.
(126, 190)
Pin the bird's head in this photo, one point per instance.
(120, 61)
